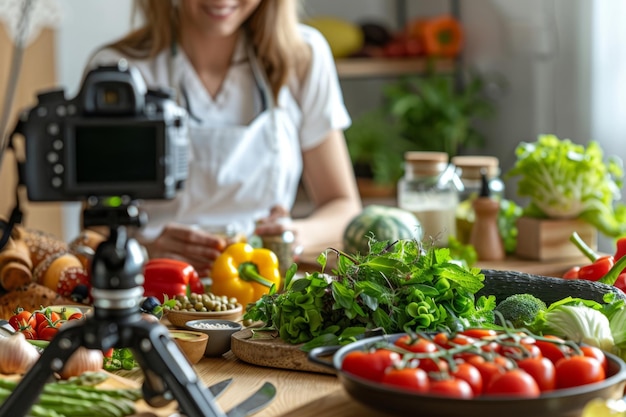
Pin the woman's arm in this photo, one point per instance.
(330, 184)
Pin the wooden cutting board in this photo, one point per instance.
(267, 349)
(118, 382)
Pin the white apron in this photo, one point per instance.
(223, 186)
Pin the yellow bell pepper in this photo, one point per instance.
(245, 273)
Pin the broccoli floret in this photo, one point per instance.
(520, 309)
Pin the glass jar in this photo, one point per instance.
(469, 169)
(428, 190)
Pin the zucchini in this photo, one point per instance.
(502, 284)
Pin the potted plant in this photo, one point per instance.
(423, 113)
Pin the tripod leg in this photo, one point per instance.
(52, 359)
(165, 365)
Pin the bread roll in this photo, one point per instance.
(49, 271)
(15, 265)
(41, 244)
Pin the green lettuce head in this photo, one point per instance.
(565, 180)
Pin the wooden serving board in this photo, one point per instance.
(267, 349)
(118, 382)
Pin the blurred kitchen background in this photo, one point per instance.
(558, 67)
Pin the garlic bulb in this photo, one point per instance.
(17, 356)
(82, 360)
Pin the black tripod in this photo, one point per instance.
(116, 322)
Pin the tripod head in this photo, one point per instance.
(116, 270)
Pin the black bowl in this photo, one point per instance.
(562, 403)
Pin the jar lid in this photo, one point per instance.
(472, 165)
(426, 163)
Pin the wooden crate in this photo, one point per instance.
(548, 239)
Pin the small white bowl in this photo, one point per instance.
(219, 332)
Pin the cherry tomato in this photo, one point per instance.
(417, 345)
(553, 350)
(514, 382)
(47, 331)
(23, 320)
(578, 370)
(451, 387)
(413, 379)
(479, 333)
(369, 365)
(487, 369)
(542, 370)
(595, 352)
(523, 349)
(29, 333)
(433, 365)
(470, 374)
(76, 316)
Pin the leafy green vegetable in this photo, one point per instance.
(582, 321)
(395, 287)
(567, 180)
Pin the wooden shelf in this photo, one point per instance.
(386, 67)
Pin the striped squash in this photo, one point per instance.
(382, 223)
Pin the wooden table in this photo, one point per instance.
(302, 394)
(307, 394)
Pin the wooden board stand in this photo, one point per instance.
(548, 239)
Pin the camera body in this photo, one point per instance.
(114, 138)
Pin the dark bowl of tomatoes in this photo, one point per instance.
(366, 373)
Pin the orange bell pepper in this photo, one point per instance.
(245, 273)
(441, 36)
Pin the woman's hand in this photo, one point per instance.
(276, 223)
(189, 244)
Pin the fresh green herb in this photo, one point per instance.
(396, 287)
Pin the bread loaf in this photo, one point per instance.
(30, 297)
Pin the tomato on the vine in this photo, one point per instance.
(22, 320)
(369, 365)
(553, 350)
(451, 387)
(487, 369)
(542, 370)
(413, 379)
(470, 374)
(514, 382)
(47, 330)
(595, 352)
(416, 345)
(578, 370)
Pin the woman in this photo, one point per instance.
(265, 109)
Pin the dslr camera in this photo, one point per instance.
(115, 138)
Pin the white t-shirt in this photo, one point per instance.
(313, 107)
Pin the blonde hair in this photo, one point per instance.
(272, 28)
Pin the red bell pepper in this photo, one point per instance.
(620, 249)
(170, 277)
(599, 266)
(596, 270)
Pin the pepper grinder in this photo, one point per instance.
(485, 235)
